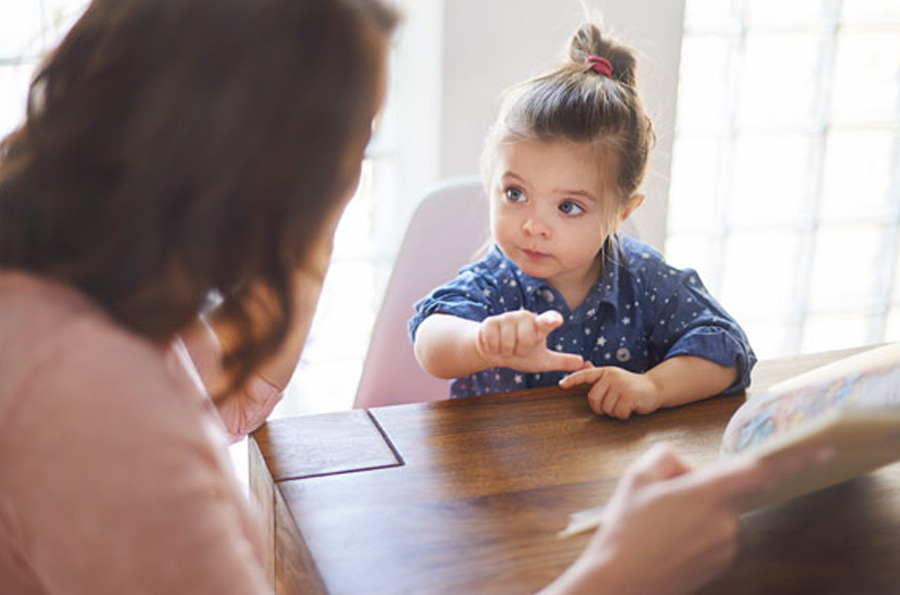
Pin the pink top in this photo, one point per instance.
(114, 476)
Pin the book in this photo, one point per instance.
(851, 406)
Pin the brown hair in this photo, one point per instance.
(178, 149)
(578, 104)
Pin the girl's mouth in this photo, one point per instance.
(534, 254)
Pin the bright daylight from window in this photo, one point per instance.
(786, 177)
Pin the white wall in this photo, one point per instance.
(487, 45)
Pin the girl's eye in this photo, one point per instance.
(514, 195)
(570, 208)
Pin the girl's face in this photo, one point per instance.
(553, 205)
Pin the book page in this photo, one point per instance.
(851, 405)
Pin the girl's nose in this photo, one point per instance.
(535, 227)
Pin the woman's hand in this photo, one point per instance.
(616, 392)
(669, 529)
(518, 340)
(661, 536)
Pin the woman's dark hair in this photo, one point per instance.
(178, 149)
(579, 103)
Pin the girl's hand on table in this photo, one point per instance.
(616, 392)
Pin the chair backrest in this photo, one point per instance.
(445, 233)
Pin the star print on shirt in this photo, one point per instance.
(638, 305)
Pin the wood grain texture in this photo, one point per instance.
(262, 488)
(295, 569)
(487, 482)
(329, 443)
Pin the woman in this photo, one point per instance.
(179, 153)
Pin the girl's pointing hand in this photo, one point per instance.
(518, 340)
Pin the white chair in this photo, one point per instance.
(446, 232)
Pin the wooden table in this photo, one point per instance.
(467, 496)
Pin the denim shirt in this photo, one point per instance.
(640, 312)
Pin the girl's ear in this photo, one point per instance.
(633, 202)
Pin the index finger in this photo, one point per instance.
(558, 360)
(547, 321)
(587, 373)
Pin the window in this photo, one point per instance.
(27, 29)
(786, 169)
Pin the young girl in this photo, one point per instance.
(560, 291)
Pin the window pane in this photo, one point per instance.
(19, 29)
(320, 387)
(895, 294)
(353, 236)
(14, 81)
(846, 266)
(697, 252)
(759, 278)
(870, 12)
(695, 169)
(857, 176)
(809, 90)
(779, 80)
(347, 312)
(780, 13)
(58, 18)
(769, 337)
(770, 179)
(703, 83)
(865, 77)
(892, 330)
(700, 14)
(823, 332)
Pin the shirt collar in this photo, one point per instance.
(606, 289)
(530, 285)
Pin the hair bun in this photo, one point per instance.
(589, 41)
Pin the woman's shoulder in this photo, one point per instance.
(97, 423)
(43, 318)
(63, 347)
(86, 393)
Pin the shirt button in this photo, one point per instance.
(622, 354)
(548, 296)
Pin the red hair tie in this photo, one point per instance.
(600, 65)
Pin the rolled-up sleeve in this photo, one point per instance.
(687, 320)
(468, 296)
(244, 409)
